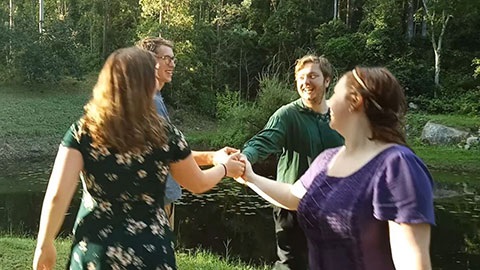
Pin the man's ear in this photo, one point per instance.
(326, 82)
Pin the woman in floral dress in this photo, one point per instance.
(122, 151)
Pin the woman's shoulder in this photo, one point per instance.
(397, 151)
(402, 158)
(326, 155)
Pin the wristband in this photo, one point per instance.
(225, 169)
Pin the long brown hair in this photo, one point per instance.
(384, 102)
(121, 114)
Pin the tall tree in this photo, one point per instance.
(10, 14)
(410, 20)
(41, 15)
(438, 14)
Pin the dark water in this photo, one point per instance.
(232, 221)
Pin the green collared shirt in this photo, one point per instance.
(297, 134)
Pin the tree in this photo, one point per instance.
(41, 16)
(437, 14)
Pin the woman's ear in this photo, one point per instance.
(356, 102)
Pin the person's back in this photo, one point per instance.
(122, 205)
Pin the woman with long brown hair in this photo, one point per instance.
(122, 151)
(368, 204)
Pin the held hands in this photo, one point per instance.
(248, 172)
(234, 166)
(222, 155)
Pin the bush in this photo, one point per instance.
(466, 103)
(240, 119)
(415, 77)
(46, 57)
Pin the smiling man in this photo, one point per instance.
(163, 50)
(297, 133)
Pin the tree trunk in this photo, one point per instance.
(437, 44)
(105, 28)
(437, 69)
(347, 14)
(424, 26)
(40, 16)
(240, 73)
(11, 15)
(410, 23)
(335, 9)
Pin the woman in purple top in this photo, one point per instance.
(368, 204)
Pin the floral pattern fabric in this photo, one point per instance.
(121, 223)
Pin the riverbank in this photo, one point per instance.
(33, 121)
(17, 253)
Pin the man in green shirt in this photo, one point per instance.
(297, 133)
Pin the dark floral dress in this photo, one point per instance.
(121, 223)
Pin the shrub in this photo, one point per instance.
(240, 119)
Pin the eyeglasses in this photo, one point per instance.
(168, 59)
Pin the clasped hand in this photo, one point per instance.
(238, 166)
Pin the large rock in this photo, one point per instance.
(471, 142)
(442, 135)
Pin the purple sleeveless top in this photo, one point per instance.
(346, 219)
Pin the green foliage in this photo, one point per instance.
(228, 44)
(476, 64)
(382, 26)
(47, 57)
(416, 78)
(465, 103)
(247, 117)
(345, 52)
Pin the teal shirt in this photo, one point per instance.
(297, 134)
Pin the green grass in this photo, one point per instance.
(449, 157)
(32, 111)
(17, 253)
(416, 122)
(33, 120)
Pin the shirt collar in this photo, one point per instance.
(303, 108)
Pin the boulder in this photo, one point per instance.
(471, 142)
(442, 135)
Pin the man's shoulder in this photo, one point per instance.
(288, 108)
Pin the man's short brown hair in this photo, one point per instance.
(153, 43)
(323, 64)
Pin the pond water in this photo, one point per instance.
(232, 221)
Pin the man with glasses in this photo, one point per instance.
(297, 133)
(163, 50)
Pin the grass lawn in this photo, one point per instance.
(445, 157)
(17, 253)
(33, 120)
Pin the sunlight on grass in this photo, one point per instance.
(17, 253)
